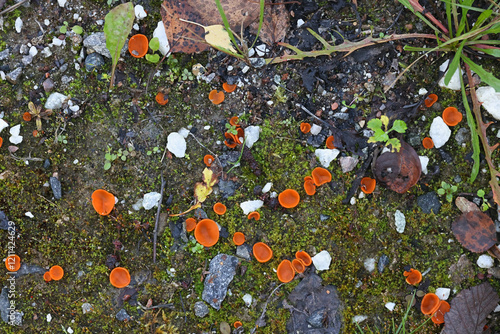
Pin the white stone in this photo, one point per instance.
(369, 264)
(274, 194)
(15, 138)
(422, 91)
(443, 293)
(490, 100)
(162, 36)
(326, 156)
(70, 330)
(248, 299)
(55, 101)
(183, 132)
(137, 205)
(46, 22)
(439, 132)
(3, 124)
(353, 200)
(46, 52)
(497, 309)
(33, 51)
(454, 83)
(424, 161)
(485, 261)
(136, 27)
(49, 317)
(206, 127)
(61, 2)
(390, 306)
(400, 221)
(322, 260)
(19, 25)
(58, 42)
(359, 318)
(251, 52)
(251, 135)
(267, 187)
(300, 22)
(315, 129)
(29, 214)
(261, 50)
(140, 13)
(176, 144)
(250, 206)
(86, 307)
(151, 200)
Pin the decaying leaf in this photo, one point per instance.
(475, 231)
(276, 23)
(216, 35)
(469, 310)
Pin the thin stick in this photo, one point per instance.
(155, 235)
(265, 308)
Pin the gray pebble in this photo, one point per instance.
(200, 309)
(244, 252)
(383, 261)
(13, 76)
(48, 85)
(94, 61)
(4, 54)
(55, 185)
(317, 317)
(122, 315)
(222, 270)
(225, 328)
(429, 202)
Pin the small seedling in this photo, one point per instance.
(121, 153)
(76, 28)
(231, 129)
(154, 151)
(187, 75)
(196, 247)
(484, 205)
(382, 134)
(350, 106)
(62, 139)
(154, 44)
(447, 190)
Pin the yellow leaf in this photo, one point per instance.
(217, 36)
(201, 192)
(209, 177)
(385, 120)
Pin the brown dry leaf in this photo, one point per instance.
(275, 25)
(469, 310)
(189, 38)
(475, 231)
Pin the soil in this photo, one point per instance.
(73, 146)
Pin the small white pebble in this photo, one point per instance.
(49, 317)
(46, 22)
(136, 27)
(422, 91)
(75, 161)
(29, 214)
(353, 200)
(300, 22)
(19, 25)
(206, 127)
(70, 330)
(390, 306)
(359, 318)
(443, 293)
(245, 69)
(267, 187)
(485, 261)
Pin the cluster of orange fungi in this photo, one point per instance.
(55, 273)
(219, 208)
(103, 201)
(13, 262)
(161, 98)
(319, 176)
(427, 143)
(286, 269)
(367, 185)
(254, 215)
(413, 277)
(207, 232)
(232, 140)
(119, 277)
(216, 97)
(305, 127)
(138, 45)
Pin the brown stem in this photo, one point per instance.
(416, 5)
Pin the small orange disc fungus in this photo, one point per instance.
(27, 116)
(262, 252)
(438, 317)
(289, 198)
(430, 303)
(285, 271)
(305, 127)
(254, 215)
(430, 100)
(413, 276)
(216, 97)
(228, 88)
(138, 45)
(238, 238)
(207, 232)
(119, 277)
(161, 98)
(308, 178)
(428, 143)
(237, 324)
(234, 121)
(219, 208)
(229, 142)
(304, 257)
(368, 185)
(56, 273)
(13, 262)
(298, 266)
(329, 142)
(46, 277)
(208, 160)
(451, 116)
(103, 202)
(321, 176)
(309, 187)
(1, 141)
(35, 133)
(190, 224)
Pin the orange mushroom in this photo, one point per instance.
(219, 208)
(1, 141)
(207, 232)
(413, 276)
(190, 224)
(208, 160)
(428, 143)
(234, 121)
(430, 303)
(240, 133)
(119, 277)
(451, 116)
(27, 116)
(321, 176)
(310, 187)
(56, 272)
(47, 277)
(161, 98)
(138, 45)
(289, 198)
(329, 142)
(103, 202)
(438, 317)
(255, 215)
(237, 324)
(285, 271)
(298, 266)
(308, 178)
(430, 100)
(305, 127)
(216, 97)
(238, 238)
(304, 257)
(262, 252)
(13, 262)
(368, 185)
(229, 142)
(228, 88)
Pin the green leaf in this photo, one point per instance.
(483, 17)
(107, 165)
(63, 29)
(77, 30)
(149, 152)
(445, 185)
(154, 44)
(154, 58)
(454, 188)
(399, 126)
(107, 156)
(385, 120)
(455, 63)
(493, 52)
(124, 158)
(480, 193)
(440, 191)
(118, 24)
(483, 74)
(395, 144)
(382, 137)
(449, 197)
(374, 124)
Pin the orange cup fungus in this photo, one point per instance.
(289, 198)
(309, 187)
(237, 324)
(229, 142)
(56, 273)
(238, 238)
(451, 116)
(321, 176)
(254, 215)
(161, 98)
(208, 160)
(103, 202)
(216, 97)
(27, 116)
(285, 271)
(228, 88)
(413, 276)
(219, 208)
(190, 224)
(305, 127)
(438, 317)
(430, 303)
(428, 143)
(262, 252)
(119, 277)
(234, 121)
(13, 262)
(298, 266)
(329, 142)
(207, 232)
(1, 141)
(304, 257)
(368, 185)
(138, 45)
(430, 100)
(46, 277)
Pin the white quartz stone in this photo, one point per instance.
(250, 206)
(176, 144)
(439, 132)
(322, 260)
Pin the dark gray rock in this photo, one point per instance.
(200, 309)
(4, 54)
(4, 221)
(221, 272)
(55, 185)
(46, 163)
(96, 42)
(244, 251)
(429, 202)
(4, 304)
(122, 315)
(94, 61)
(462, 136)
(445, 156)
(316, 141)
(13, 76)
(316, 318)
(228, 157)
(227, 188)
(383, 262)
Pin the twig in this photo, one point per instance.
(265, 308)
(11, 8)
(29, 158)
(183, 310)
(155, 233)
(169, 305)
(48, 200)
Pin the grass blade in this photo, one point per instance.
(483, 17)
(492, 52)
(455, 63)
(226, 25)
(261, 21)
(483, 74)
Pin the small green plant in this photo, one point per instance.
(154, 44)
(382, 134)
(76, 28)
(447, 190)
(187, 75)
(484, 205)
(195, 247)
(231, 129)
(155, 150)
(350, 106)
(121, 153)
(62, 139)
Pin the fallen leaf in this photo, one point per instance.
(475, 231)
(275, 25)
